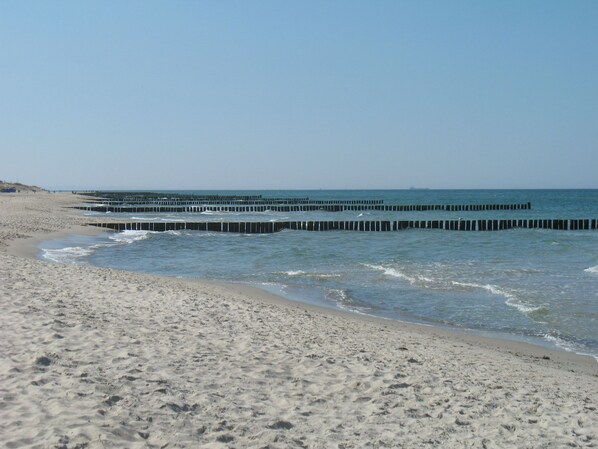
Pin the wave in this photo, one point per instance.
(146, 218)
(559, 342)
(512, 299)
(338, 294)
(210, 234)
(343, 300)
(296, 273)
(130, 236)
(592, 270)
(426, 282)
(70, 254)
(74, 254)
(393, 272)
(488, 287)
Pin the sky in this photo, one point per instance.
(299, 94)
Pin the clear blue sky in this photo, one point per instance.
(299, 94)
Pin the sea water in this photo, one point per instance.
(530, 284)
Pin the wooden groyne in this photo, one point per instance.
(178, 199)
(235, 202)
(308, 207)
(160, 196)
(364, 226)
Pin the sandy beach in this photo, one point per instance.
(100, 358)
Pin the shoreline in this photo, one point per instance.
(531, 346)
(514, 345)
(564, 359)
(240, 366)
(28, 248)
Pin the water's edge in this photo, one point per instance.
(279, 291)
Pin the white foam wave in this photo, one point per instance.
(338, 295)
(359, 311)
(69, 254)
(557, 341)
(488, 287)
(592, 270)
(417, 279)
(130, 236)
(311, 275)
(73, 254)
(393, 272)
(343, 301)
(146, 218)
(511, 301)
(205, 234)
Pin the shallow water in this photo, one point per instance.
(525, 283)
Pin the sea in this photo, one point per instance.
(534, 285)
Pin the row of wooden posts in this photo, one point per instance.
(231, 202)
(150, 197)
(307, 208)
(365, 226)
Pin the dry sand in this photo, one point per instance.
(101, 358)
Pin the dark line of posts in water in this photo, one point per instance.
(364, 226)
(327, 207)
